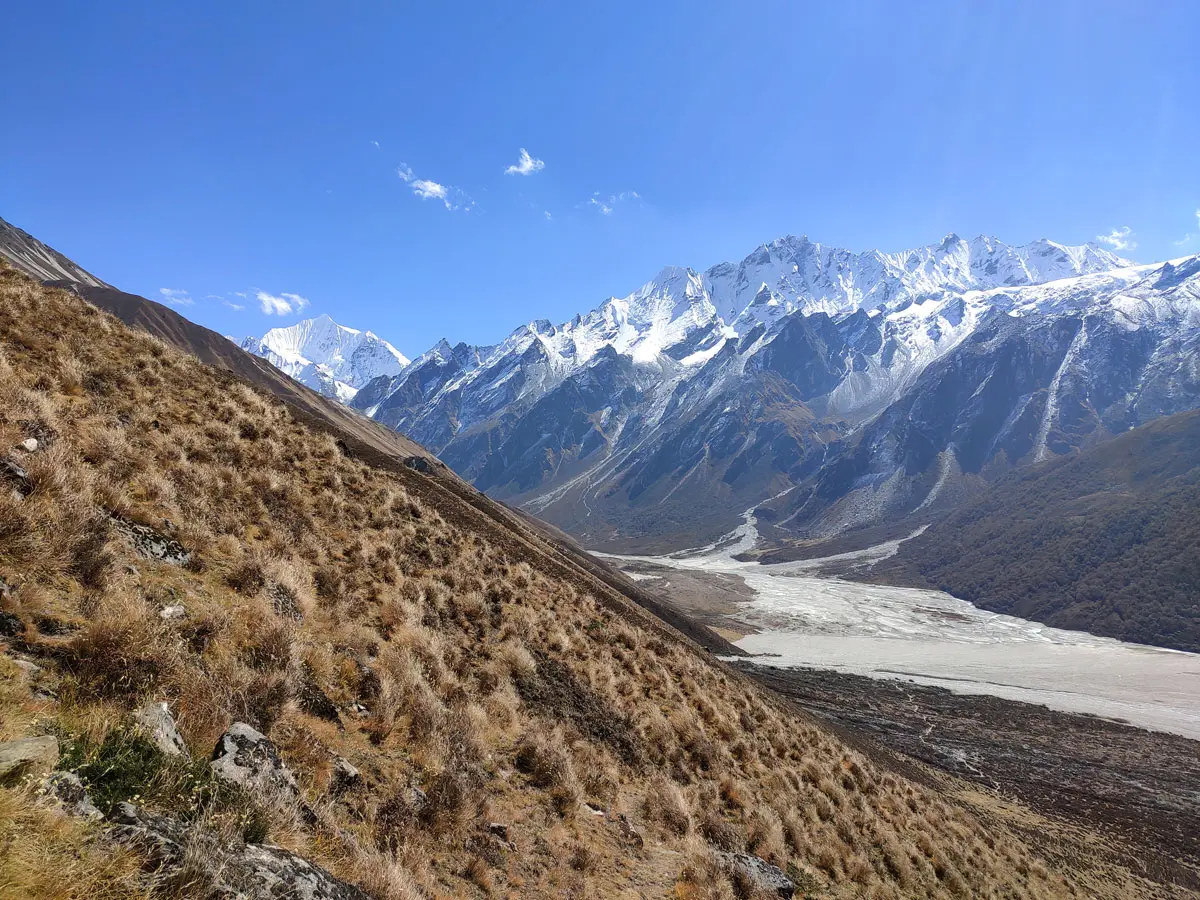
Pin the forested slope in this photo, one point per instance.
(1107, 541)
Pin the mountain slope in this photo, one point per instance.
(1105, 541)
(27, 254)
(329, 358)
(369, 441)
(363, 615)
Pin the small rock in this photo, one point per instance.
(246, 757)
(6, 589)
(173, 613)
(15, 473)
(158, 724)
(631, 835)
(29, 445)
(11, 625)
(28, 668)
(132, 570)
(418, 798)
(313, 700)
(68, 792)
(345, 776)
(768, 878)
(498, 830)
(25, 754)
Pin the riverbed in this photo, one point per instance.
(799, 614)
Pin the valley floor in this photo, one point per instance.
(1141, 786)
(803, 614)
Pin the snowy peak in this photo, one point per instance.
(809, 277)
(331, 358)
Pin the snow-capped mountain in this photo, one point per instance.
(829, 389)
(841, 387)
(328, 357)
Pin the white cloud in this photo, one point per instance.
(1187, 238)
(428, 189)
(451, 197)
(546, 213)
(176, 296)
(375, 144)
(606, 205)
(236, 307)
(1119, 238)
(525, 165)
(280, 305)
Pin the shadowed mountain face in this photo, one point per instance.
(834, 391)
(1103, 541)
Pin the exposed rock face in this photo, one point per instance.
(68, 792)
(238, 871)
(246, 757)
(151, 544)
(759, 872)
(157, 722)
(26, 755)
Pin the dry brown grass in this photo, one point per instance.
(471, 683)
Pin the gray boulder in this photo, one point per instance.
(244, 871)
(67, 791)
(759, 872)
(157, 723)
(27, 755)
(246, 757)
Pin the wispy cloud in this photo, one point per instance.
(451, 197)
(280, 305)
(1187, 238)
(176, 296)
(236, 307)
(375, 144)
(606, 204)
(1119, 238)
(525, 165)
(546, 213)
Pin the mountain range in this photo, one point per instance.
(830, 390)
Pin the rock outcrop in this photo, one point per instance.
(246, 757)
(217, 869)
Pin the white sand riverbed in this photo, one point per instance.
(803, 618)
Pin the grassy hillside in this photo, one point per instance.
(1107, 541)
(365, 614)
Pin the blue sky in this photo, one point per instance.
(218, 150)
